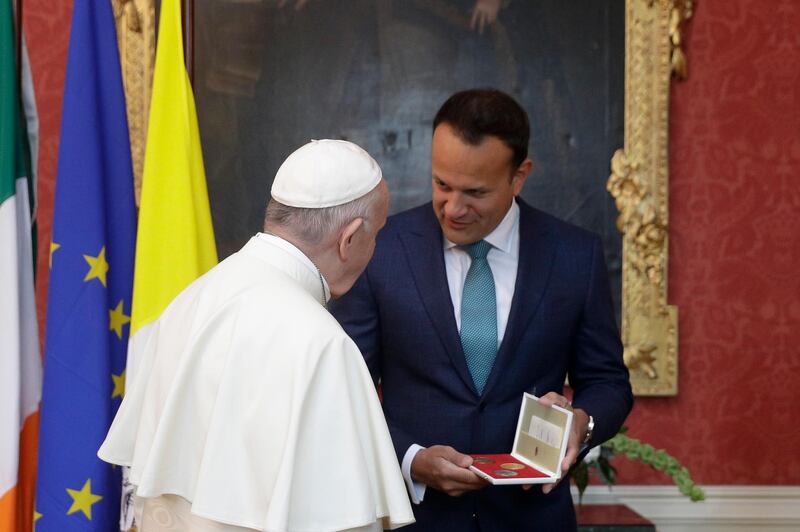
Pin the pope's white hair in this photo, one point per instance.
(313, 226)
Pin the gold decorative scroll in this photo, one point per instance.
(136, 22)
(639, 183)
(681, 11)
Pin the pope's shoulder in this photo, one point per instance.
(259, 298)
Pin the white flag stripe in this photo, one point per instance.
(20, 367)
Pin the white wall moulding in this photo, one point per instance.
(726, 508)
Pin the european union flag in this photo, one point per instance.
(89, 301)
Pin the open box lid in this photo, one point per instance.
(542, 435)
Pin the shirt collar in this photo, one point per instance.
(502, 237)
(296, 252)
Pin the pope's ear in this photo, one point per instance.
(346, 238)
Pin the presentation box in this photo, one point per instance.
(539, 447)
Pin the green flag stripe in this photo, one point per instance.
(13, 140)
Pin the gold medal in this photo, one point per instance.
(512, 465)
(482, 460)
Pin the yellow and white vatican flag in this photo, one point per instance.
(20, 363)
(175, 239)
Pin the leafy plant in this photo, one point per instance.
(633, 449)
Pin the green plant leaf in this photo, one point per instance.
(647, 453)
(660, 460)
(673, 466)
(633, 449)
(607, 472)
(580, 475)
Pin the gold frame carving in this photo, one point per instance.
(136, 37)
(639, 183)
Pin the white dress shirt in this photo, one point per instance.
(503, 260)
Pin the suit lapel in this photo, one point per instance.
(423, 248)
(537, 249)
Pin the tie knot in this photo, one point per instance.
(478, 250)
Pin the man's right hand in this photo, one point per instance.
(445, 469)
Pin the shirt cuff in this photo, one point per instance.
(416, 490)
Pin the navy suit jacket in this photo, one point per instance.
(561, 323)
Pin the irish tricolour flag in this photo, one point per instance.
(20, 365)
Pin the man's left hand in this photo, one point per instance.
(580, 421)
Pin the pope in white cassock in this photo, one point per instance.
(253, 409)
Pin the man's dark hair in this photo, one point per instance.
(476, 113)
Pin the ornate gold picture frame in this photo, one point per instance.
(639, 180)
(639, 183)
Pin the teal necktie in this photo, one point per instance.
(479, 315)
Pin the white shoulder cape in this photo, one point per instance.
(255, 406)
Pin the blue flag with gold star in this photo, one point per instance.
(91, 277)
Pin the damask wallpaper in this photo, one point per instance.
(46, 27)
(735, 250)
(735, 242)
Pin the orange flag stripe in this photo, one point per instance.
(16, 505)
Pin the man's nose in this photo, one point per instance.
(455, 207)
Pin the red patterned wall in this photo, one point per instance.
(735, 251)
(735, 243)
(46, 25)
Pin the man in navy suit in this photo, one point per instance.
(468, 302)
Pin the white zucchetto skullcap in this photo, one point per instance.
(325, 173)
